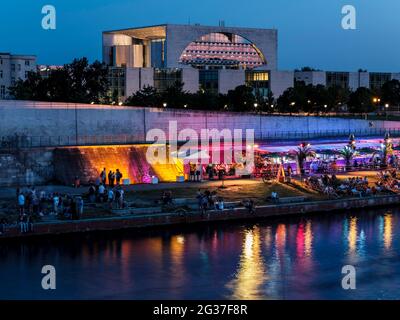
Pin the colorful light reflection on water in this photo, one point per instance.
(299, 258)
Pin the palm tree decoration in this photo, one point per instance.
(348, 153)
(352, 142)
(302, 153)
(387, 149)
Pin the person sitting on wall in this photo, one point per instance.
(274, 196)
(249, 205)
(166, 198)
(219, 204)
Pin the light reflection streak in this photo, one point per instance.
(251, 273)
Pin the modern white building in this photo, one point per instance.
(210, 58)
(12, 68)
(345, 79)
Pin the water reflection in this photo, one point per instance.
(300, 258)
(387, 230)
(251, 273)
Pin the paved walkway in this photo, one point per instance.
(7, 193)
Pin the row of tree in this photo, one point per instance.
(83, 82)
(309, 98)
(78, 81)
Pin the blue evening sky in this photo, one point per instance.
(310, 32)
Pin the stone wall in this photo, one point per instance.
(52, 124)
(28, 167)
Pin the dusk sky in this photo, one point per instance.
(310, 32)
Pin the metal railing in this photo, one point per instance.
(21, 142)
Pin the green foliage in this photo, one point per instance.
(78, 81)
(360, 101)
(391, 93)
(348, 153)
(303, 152)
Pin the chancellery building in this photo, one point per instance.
(214, 59)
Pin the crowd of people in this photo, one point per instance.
(33, 204)
(333, 187)
(209, 200)
(111, 193)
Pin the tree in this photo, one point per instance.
(302, 153)
(391, 92)
(348, 153)
(175, 96)
(33, 88)
(146, 97)
(360, 101)
(78, 81)
(241, 98)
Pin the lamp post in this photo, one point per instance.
(165, 104)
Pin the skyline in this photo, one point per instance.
(305, 30)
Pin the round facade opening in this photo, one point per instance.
(222, 50)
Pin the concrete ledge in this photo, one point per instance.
(165, 219)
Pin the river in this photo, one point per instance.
(288, 258)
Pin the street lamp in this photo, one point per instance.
(255, 105)
(164, 104)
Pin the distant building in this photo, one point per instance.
(12, 68)
(214, 59)
(344, 79)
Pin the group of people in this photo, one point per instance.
(33, 204)
(388, 180)
(101, 194)
(114, 178)
(209, 201)
(333, 187)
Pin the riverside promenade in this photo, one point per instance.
(168, 219)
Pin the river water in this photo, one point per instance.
(290, 258)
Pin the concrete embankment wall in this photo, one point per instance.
(157, 220)
(60, 123)
(26, 167)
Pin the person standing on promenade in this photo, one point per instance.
(110, 197)
(101, 191)
(21, 203)
(56, 201)
(103, 176)
(118, 177)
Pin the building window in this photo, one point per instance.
(27, 63)
(164, 78)
(13, 81)
(19, 67)
(13, 67)
(26, 74)
(1, 74)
